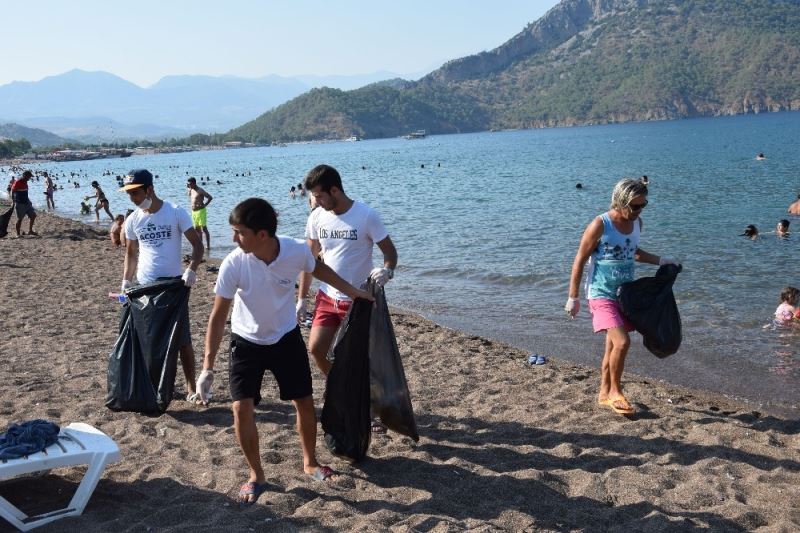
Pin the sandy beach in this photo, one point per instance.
(504, 446)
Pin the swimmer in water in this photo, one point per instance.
(750, 231)
(787, 311)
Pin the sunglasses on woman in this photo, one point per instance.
(638, 207)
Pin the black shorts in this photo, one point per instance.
(287, 359)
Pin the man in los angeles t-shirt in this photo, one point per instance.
(258, 278)
(345, 232)
(153, 250)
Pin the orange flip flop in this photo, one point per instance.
(619, 405)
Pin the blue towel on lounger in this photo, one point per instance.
(21, 440)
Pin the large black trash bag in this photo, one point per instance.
(648, 303)
(391, 401)
(143, 363)
(345, 414)
(5, 218)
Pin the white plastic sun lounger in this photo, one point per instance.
(78, 444)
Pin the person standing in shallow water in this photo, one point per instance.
(610, 243)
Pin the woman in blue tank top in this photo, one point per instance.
(610, 244)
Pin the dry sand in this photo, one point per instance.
(503, 446)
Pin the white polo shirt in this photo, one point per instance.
(264, 295)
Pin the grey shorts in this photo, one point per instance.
(24, 210)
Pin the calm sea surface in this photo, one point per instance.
(487, 224)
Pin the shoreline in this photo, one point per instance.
(589, 344)
(502, 445)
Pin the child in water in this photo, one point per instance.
(85, 209)
(116, 234)
(788, 311)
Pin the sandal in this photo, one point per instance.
(323, 473)
(619, 405)
(251, 488)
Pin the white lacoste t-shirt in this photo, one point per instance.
(264, 295)
(347, 241)
(159, 235)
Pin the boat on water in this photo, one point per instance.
(419, 134)
(353, 138)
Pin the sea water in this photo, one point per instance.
(487, 226)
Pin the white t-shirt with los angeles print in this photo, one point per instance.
(347, 241)
(264, 294)
(159, 235)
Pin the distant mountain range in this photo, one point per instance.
(98, 106)
(583, 62)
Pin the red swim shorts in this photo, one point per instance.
(329, 312)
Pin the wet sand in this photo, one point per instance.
(504, 446)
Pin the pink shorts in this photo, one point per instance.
(329, 312)
(606, 314)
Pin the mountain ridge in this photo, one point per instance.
(583, 62)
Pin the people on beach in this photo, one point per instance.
(788, 310)
(794, 207)
(257, 278)
(22, 203)
(85, 209)
(101, 202)
(345, 232)
(199, 200)
(610, 243)
(49, 188)
(750, 231)
(153, 251)
(782, 229)
(116, 233)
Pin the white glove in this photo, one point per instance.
(126, 283)
(668, 261)
(572, 307)
(189, 277)
(381, 275)
(203, 386)
(300, 310)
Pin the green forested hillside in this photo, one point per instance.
(585, 61)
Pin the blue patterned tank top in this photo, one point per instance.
(612, 262)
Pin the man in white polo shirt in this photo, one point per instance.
(258, 278)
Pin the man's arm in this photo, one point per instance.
(305, 277)
(389, 253)
(197, 248)
(131, 258)
(326, 274)
(215, 330)
(206, 195)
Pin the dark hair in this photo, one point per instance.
(750, 231)
(789, 295)
(325, 177)
(95, 184)
(27, 174)
(784, 223)
(255, 214)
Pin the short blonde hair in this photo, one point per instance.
(626, 190)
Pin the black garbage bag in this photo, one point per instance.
(345, 414)
(391, 401)
(143, 363)
(648, 303)
(5, 218)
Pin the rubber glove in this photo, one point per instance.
(572, 307)
(126, 283)
(203, 386)
(381, 275)
(668, 261)
(189, 277)
(300, 310)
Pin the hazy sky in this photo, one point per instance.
(144, 40)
